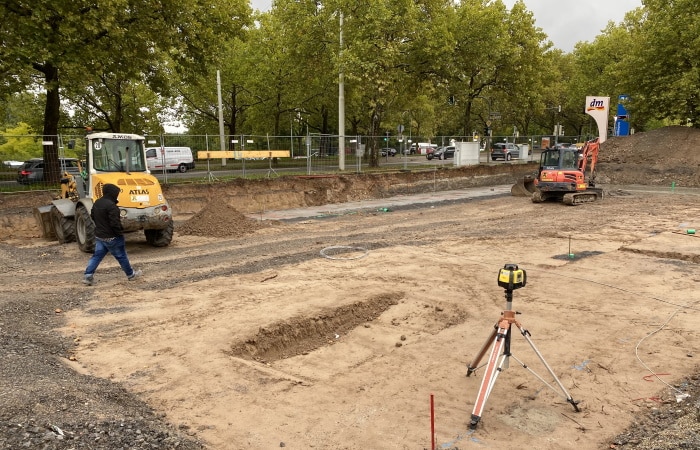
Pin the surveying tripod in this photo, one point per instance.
(509, 278)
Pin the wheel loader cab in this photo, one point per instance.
(124, 155)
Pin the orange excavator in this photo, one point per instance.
(565, 174)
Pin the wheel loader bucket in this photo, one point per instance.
(42, 215)
(524, 187)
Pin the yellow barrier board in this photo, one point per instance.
(244, 154)
(215, 154)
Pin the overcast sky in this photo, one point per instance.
(566, 22)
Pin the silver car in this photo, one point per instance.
(505, 151)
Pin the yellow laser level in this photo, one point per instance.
(510, 277)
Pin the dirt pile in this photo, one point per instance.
(218, 219)
(668, 146)
(666, 156)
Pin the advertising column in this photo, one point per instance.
(597, 107)
(622, 119)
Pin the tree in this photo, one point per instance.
(22, 107)
(380, 71)
(200, 108)
(596, 68)
(38, 38)
(16, 144)
(79, 46)
(496, 52)
(663, 66)
(524, 81)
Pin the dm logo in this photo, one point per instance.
(596, 105)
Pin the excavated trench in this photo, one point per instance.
(302, 334)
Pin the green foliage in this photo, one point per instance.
(663, 67)
(135, 68)
(22, 107)
(18, 144)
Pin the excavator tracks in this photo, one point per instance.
(587, 196)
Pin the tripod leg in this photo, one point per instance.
(526, 335)
(490, 374)
(477, 359)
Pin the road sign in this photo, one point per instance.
(400, 128)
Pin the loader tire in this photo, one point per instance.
(160, 238)
(64, 227)
(84, 230)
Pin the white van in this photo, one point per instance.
(170, 159)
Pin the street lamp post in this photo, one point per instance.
(488, 123)
(557, 127)
(341, 102)
(406, 151)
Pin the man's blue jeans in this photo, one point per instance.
(117, 247)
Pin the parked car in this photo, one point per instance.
(13, 164)
(505, 151)
(388, 151)
(32, 171)
(442, 153)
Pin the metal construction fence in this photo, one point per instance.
(311, 154)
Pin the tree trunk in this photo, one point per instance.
(374, 124)
(52, 114)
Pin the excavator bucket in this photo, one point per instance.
(524, 187)
(42, 215)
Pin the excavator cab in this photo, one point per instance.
(559, 159)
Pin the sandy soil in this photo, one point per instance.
(335, 333)
(264, 341)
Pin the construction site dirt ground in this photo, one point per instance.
(337, 331)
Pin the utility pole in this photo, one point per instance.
(222, 143)
(558, 130)
(341, 102)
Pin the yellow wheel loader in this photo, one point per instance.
(118, 159)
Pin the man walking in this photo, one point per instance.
(109, 236)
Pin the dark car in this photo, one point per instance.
(505, 151)
(442, 153)
(388, 151)
(32, 171)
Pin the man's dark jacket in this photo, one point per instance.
(105, 213)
